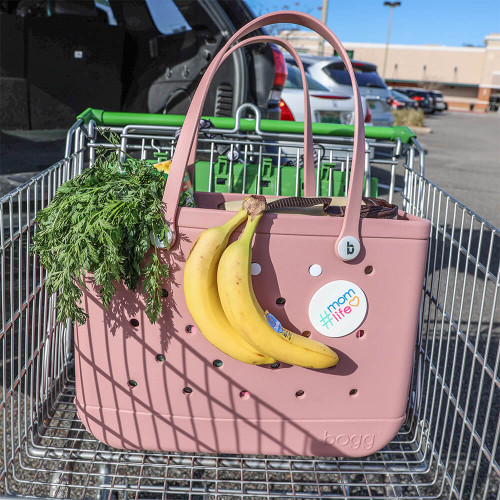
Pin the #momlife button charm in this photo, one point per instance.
(338, 308)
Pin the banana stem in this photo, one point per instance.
(235, 221)
(250, 229)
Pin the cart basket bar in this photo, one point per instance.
(119, 119)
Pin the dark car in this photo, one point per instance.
(59, 57)
(402, 101)
(420, 96)
(438, 100)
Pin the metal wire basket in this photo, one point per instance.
(448, 447)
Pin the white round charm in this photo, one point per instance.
(348, 248)
(338, 308)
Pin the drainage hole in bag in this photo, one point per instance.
(164, 293)
(191, 329)
(160, 358)
(132, 383)
(134, 322)
(217, 363)
(368, 269)
(187, 390)
(315, 270)
(280, 301)
(360, 334)
(353, 393)
(255, 268)
(300, 394)
(244, 395)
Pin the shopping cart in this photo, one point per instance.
(449, 444)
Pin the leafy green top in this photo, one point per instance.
(100, 223)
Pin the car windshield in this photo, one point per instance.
(294, 80)
(366, 75)
(292, 62)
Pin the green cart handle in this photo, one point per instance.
(120, 119)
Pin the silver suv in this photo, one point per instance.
(331, 72)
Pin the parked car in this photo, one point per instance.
(438, 100)
(331, 72)
(420, 96)
(59, 57)
(326, 106)
(402, 101)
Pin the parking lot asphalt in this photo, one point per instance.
(463, 158)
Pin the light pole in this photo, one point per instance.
(324, 12)
(391, 5)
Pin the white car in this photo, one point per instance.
(326, 106)
(331, 72)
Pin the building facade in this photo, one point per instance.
(469, 77)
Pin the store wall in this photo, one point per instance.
(466, 75)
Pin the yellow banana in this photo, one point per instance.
(243, 311)
(202, 298)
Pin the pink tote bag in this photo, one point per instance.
(354, 283)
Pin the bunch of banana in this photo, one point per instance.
(245, 314)
(220, 297)
(202, 298)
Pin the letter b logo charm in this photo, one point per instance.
(348, 248)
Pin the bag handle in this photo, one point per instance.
(309, 181)
(347, 246)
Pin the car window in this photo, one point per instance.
(417, 93)
(106, 8)
(294, 80)
(293, 63)
(366, 75)
(399, 95)
(167, 17)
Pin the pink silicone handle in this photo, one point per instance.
(309, 181)
(189, 132)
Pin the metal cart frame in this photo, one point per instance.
(449, 445)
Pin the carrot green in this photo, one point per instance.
(100, 222)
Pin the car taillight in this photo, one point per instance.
(418, 98)
(286, 114)
(368, 117)
(331, 96)
(280, 71)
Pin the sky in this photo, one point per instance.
(415, 22)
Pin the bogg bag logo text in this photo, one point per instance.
(355, 441)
